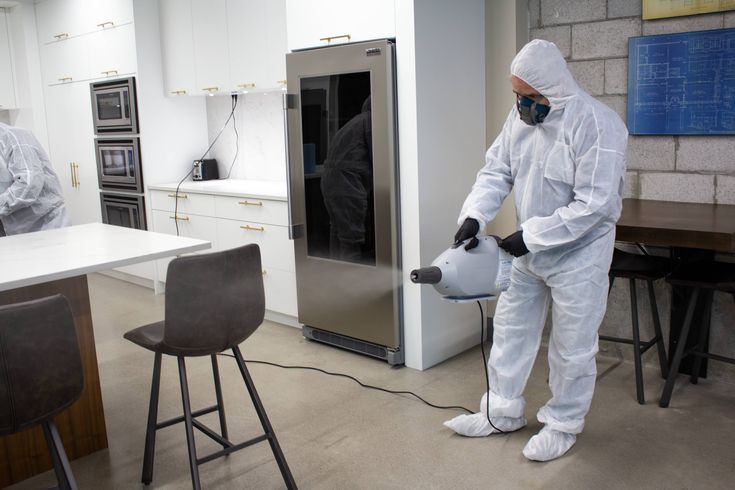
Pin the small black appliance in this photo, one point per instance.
(205, 170)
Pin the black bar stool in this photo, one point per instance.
(704, 278)
(213, 303)
(647, 268)
(40, 372)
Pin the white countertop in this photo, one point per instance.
(34, 258)
(261, 189)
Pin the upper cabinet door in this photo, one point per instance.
(113, 52)
(247, 32)
(177, 45)
(104, 14)
(277, 43)
(61, 19)
(324, 22)
(211, 54)
(7, 86)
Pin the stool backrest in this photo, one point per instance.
(40, 366)
(213, 301)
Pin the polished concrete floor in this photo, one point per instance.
(337, 435)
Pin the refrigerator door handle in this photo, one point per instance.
(295, 231)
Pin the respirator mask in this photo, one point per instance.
(532, 112)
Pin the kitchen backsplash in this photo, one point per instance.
(259, 119)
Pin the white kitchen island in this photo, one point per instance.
(40, 264)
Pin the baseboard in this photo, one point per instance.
(140, 281)
(273, 316)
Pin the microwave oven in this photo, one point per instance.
(118, 164)
(114, 106)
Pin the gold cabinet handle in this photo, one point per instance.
(109, 72)
(108, 23)
(331, 38)
(264, 272)
(180, 218)
(180, 196)
(252, 228)
(65, 79)
(282, 82)
(250, 203)
(246, 85)
(63, 35)
(75, 169)
(211, 89)
(179, 92)
(71, 171)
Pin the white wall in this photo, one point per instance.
(259, 119)
(441, 94)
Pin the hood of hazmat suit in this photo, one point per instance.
(567, 176)
(30, 192)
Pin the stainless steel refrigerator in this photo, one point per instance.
(343, 194)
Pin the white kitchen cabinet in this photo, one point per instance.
(112, 54)
(71, 150)
(177, 45)
(65, 61)
(61, 19)
(228, 221)
(211, 54)
(104, 14)
(257, 43)
(323, 22)
(7, 84)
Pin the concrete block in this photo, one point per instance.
(651, 153)
(677, 187)
(570, 11)
(683, 24)
(534, 13)
(631, 185)
(616, 76)
(729, 19)
(623, 8)
(725, 190)
(618, 103)
(590, 75)
(607, 39)
(561, 36)
(705, 154)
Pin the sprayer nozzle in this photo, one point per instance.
(426, 275)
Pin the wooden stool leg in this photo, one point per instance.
(662, 358)
(703, 335)
(679, 354)
(636, 343)
(150, 432)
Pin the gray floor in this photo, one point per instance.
(337, 435)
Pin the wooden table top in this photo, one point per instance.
(678, 224)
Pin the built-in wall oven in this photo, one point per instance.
(114, 106)
(118, 164)
(122, 209)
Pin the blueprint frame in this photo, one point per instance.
(682, 83)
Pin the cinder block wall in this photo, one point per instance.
(593, 36)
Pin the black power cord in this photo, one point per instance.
(399, 392)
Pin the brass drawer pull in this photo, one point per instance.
(211, 89)
(180, 196)
(180, 218)
(65, 79)
(108, 23)
(264, 272)
(331, 38)
(250, 203)
(246, 85)
(73, 178)
(179, 92)
(109, 72)
(63, 35)
(282, 82)
(253, 228)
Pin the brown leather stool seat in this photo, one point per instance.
(705, 277)
(647, 268)
(213, 303)
(40, 372)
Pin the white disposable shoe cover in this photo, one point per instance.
(476, 425)
(548, 444)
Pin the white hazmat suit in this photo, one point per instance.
(30, 193)
(567, 174)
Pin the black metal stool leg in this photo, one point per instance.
(62, 469)
(150, 432)
(196, 485)
(220, 402)
(275, 447)
(703, 334)
(679, 354)
(662, 358)
(609, 290)
(636, 343)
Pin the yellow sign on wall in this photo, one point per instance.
(661, 9)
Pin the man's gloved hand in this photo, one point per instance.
(469, 229)
(514, 244)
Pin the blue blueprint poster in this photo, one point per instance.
(682, 83)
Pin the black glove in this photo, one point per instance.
(469, 229)
(514, 244)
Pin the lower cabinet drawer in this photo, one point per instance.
(192, 226)
(280, 291)
(276, 250)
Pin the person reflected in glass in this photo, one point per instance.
(347, 187)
